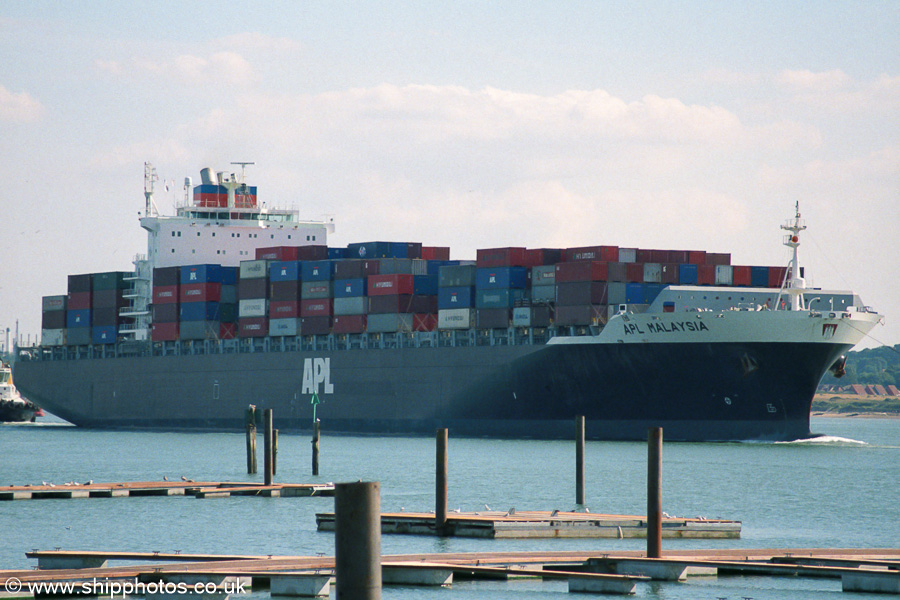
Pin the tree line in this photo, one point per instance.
(872, 366)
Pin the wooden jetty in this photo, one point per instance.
(545, 524)
(865, 570)
(198, 489)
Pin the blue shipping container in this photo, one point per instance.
(199, 311)
(651, 291)
(399, 250)
(284, 271)
(496, 278)
(201, 274)
(104, 335)
(230, 275)
(687, 274)
(78, 318)
(350, 288)
(456, 297)
(505, 298)
(369, 250)
(759, 276)
(425, 285)
(634, 293)
(317, 270)
(337, 253)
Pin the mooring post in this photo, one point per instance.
(357, 540)
(579, 460)
(654, 492)
(315, 448)
(274, 452)
(267, 445)
(440, 483)
(250, 421)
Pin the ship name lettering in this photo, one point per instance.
(316, 371)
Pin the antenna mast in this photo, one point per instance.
(150, 177)
(792, 240)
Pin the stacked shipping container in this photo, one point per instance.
(383, 287)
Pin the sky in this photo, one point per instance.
(683, 125)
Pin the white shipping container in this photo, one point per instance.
(350, 306)
(456, 318)
(253, 307)
(50, 303)
(543, 275)
(254, 269)
(627, 255)
(652, 273)
(53, 337)
(724, 274)
(284, 327)
(521, 316)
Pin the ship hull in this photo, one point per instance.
(695, 391)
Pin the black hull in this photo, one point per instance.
(16, 413)
(696, 392)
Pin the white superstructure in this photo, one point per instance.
(218, 222)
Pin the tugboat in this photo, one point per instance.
(13, 407)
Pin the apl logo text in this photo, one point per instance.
(316, 371)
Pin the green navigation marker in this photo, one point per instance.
(315, 402)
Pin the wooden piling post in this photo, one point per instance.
(654, 492)
(315, 448)
(579, 460)
(250, 421)
(267, 445)
(440, 483)
(357, 540)
(274, 452)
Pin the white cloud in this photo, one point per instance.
(227, 68)
(19, 108)
(809, 81)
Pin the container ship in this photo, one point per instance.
(237, 304)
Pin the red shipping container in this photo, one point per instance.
(284, 309)
(604, 253)
(78, 301)
(390, 285)
(312, 253)
(679, 257)
(200, 292)
(740, 276)
(227, 331)
(164, 332)
(350, 324)
(277, 253)
(253, 327)
(436, 252)
(669, 273)
(424, 322)
(634, 272)
(616, 271)
(582, 271)
(644, 256)
(315, 326)
(659, 256)
(697, 257)
(500, 257)
(539, 257)
(706, 275)
(316, 308)
(776, 276)
(718, 259)
(166, 294)
(371, 267)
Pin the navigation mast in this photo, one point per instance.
(792, 240)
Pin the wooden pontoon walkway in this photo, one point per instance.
(198, 489)
(546, 524)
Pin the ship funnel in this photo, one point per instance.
(208, 177)
(221, 177)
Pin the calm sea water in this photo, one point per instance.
(839, 491)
